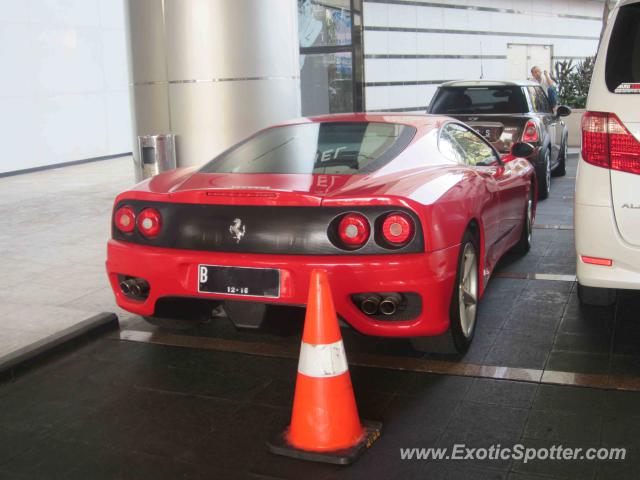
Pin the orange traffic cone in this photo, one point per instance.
(325, 425)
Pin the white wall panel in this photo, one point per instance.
(16, 79)
(112, 13)
(431, 69)
(401, 70)
(404, 43)
(63, 88)
(376, 43)
(430, 17)
(460, 70)
(505, 4)
(429, 43)
(542, 6)
(479, 20)
(377, 69)
(118, 125)
(403, 96)
(461, 44)
(377, 98)
(79, 13)
(70, 125)
(14, 11)
(560, 7)
(403, 15)
(67, 60)
(376, 13)
(536, 22)
(456, 19)
(114, 53)
(17, 119)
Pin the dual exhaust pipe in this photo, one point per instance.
(135, 287)
(386, 304)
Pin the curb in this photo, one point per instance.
(41, 349)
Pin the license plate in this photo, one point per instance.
(251, 282)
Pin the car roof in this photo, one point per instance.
(622, 3)
(421, 121)
(489, 83)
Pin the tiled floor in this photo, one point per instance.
(124, 409)
(54, 225)
(130, 410)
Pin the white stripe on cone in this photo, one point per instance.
(322, 361)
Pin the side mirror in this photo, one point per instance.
(522, 150)
(563, 111)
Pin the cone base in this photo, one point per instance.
(346, 456)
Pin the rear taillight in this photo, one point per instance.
(397, 229)
(603, 262)
(530, 133)
(354, 230)
(149, 222)
(595, 144)
(607, 143)
(125, 219)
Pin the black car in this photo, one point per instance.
(509, 112)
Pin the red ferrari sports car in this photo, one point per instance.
(408, 214)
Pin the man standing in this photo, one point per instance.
(547, 83)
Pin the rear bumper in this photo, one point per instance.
(173, 273)
(596, 235)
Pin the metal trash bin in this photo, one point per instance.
(156, 154)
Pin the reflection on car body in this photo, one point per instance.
(509, 112)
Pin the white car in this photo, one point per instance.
(607, 201)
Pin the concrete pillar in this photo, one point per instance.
(211, 71)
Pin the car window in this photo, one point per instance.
(448, 145)
(319, 147)
(623, 54)
(539, 100)
(464, 146)
(478, 100)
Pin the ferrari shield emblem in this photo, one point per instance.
(237, 230)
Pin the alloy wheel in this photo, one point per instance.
(468, 289)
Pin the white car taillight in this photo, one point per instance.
(607, 143)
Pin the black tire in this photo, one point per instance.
(543, 174)
(598, 297)
(172, 324)
(455, 340)
(561, 169)
(524, 244)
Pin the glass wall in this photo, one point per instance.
(331, 65)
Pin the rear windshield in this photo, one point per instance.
(479, 100)
(331, 147)
(623, 55)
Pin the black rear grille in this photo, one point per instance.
(264, 229)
